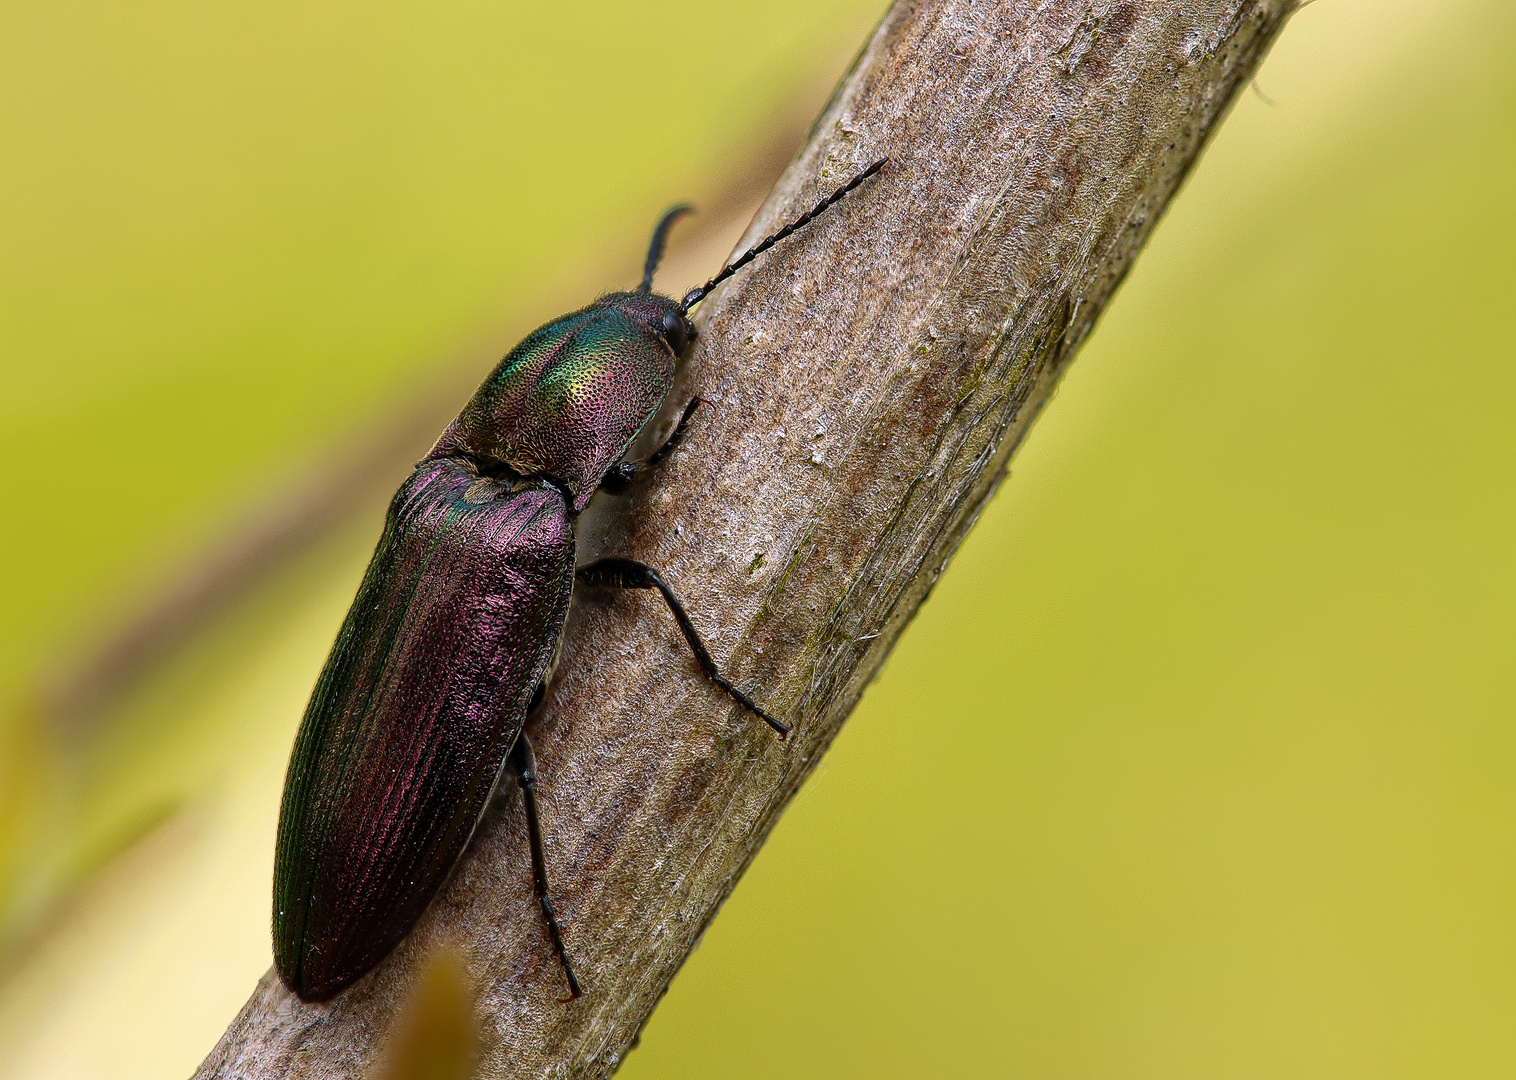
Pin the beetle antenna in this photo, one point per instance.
(655, 249)
(694, 296)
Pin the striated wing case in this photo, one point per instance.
(421, 698)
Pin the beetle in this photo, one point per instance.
(449, 644)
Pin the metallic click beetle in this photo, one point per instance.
(450, 641)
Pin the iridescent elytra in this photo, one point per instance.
(450, 641)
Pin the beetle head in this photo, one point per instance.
(660, 317)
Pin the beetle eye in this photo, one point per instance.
(674, 331)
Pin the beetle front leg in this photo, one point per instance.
(626, 574)
(621, 476)
(525, 764)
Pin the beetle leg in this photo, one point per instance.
(625, 574)
(620, 477)
(526, 775)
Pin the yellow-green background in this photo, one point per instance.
(1198, 763)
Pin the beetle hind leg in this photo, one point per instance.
(525, 764)
(626, 574)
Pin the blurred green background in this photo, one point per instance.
(1199, 762)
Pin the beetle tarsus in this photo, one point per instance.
(614, 573)
(526, 775)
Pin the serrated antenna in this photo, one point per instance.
(694, 296)
(655, 248)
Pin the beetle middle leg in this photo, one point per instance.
(525, 764)
(616, 573)
(621, 476)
